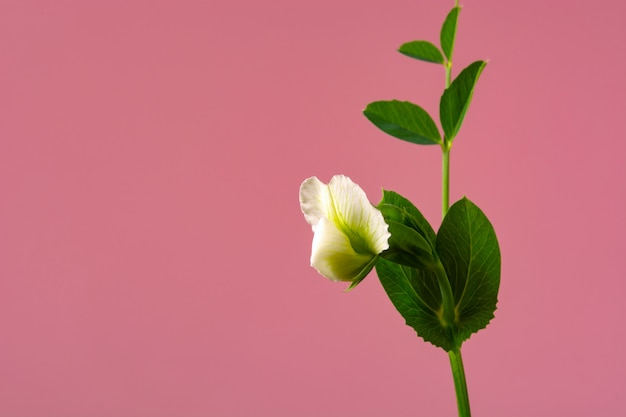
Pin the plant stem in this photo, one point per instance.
(456, 360)
(445, 164)
(460, 384)
(445, 180)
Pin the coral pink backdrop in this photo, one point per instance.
(153, 257)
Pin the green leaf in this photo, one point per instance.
(422, 50)
(407, 214)
(412, 241)
(407, 246)
(403, 120)
(405, 273)
(456, 99)
(415, 294)
(448, 32)
(468, 249)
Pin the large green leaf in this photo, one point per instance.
(403, 120)
(468, 249)
(448, 32)
(456, 99)
(405, 273)
(422, 50)
(415, 294)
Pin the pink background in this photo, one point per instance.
(153, 257)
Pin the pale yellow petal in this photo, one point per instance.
(314, 199)
(333, 256)
(352, 212)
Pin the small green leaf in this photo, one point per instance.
(422, 50)
(407, 246)
(415, 294)
(448, 32)
(407, 214)
(468, 249)
(403, 120)
(456, 99)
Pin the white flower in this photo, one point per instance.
(350, 232)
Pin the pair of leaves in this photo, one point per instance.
(407, 121)
(467, 247)
(410, 122)
(426, 51)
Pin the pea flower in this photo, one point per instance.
(349, 232)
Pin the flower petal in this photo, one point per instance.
(351, 209)
(314, 198)
(333, 256)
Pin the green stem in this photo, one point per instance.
(445, 165)
(445, 180)
(456, 360)
(460, 384)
